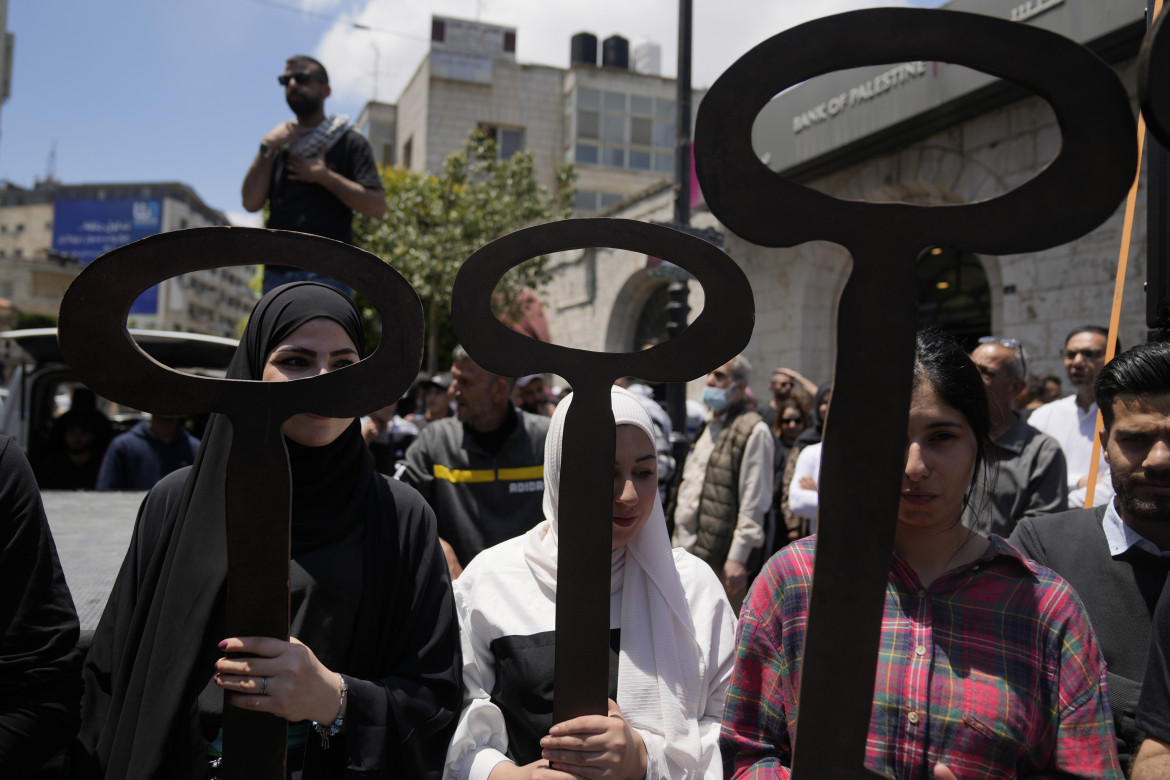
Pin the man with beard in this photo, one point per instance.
(482, 471)
(1117, 555)
(1072, 420)
(314, 172)
(528, 395)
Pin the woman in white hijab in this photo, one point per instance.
(672, 641)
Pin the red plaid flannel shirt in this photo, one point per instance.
(993, 671)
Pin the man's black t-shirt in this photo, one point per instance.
(310, 208)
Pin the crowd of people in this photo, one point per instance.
(1024, 632)
(1014, 640)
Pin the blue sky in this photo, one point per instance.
(157, 90)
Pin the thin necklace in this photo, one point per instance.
(962, 544)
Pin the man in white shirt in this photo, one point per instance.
(726, 486)
(1072, 420)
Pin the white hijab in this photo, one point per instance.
(660, 667)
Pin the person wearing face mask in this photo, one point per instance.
(726, 486)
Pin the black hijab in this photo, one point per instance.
(154, 649)
(330, 483)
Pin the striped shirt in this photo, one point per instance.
(993, 671)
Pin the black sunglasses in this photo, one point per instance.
(298, 78)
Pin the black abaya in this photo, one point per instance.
(156, 644)
(40, 681)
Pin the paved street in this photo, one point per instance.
(92, 531)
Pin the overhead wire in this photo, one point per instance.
(342, 19)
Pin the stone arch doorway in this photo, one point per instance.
(639, 313)
(954, 294)
(652, 320)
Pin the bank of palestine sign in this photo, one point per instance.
(87, 229)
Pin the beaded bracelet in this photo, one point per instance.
(334, 728)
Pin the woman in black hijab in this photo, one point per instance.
(369, 594)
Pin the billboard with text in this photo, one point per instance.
(89, 228)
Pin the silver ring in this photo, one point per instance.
(264, 686)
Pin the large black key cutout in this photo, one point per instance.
(97, 346)
(719, 333)
(877, 315)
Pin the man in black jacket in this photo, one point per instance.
(482, 471)
(1117, 556)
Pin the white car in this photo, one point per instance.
(40, 385)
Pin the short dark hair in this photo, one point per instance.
(304, 59)
(942, 361)
(1141, 370)
(1094, 329)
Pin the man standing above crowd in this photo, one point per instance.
(482, 471)
(1072, 420)
(1029, 478)
(726, 486)
(1116, 555)
(314, 172)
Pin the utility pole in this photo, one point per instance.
(677, 309)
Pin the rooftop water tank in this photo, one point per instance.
(583, 49)
(648, 58)
(615, 52)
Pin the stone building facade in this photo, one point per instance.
(614, 124)
(599, 298)
(34, 275)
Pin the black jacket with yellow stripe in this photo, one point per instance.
(480, 499)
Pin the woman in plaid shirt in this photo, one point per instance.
(988, 667)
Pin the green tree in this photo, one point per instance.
(35, 320)
(433, 223)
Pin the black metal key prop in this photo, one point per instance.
(1153, 70)
(717, 335)
(97, 346)
(877, 315)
